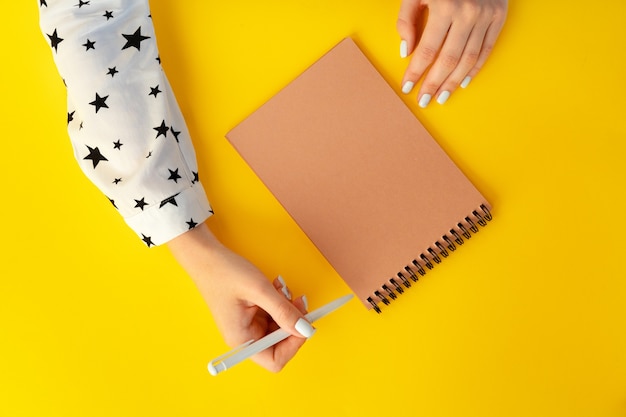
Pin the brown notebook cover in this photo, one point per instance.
(360, 175)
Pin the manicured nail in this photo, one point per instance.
(404, 49)
(304, 328)
(443, 97)
(305, 301)
(424, 100)
(284, 288)
(407, 87)
(466, 81)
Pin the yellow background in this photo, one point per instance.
(527, 320)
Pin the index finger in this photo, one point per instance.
(276, 357)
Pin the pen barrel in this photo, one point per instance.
(248, 349)
(256, 347)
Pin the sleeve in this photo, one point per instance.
(127, 132)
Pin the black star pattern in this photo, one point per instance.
(162, 130)
(112, 72)
(95, 156)
(158, 59)
(191, 224)
(175, 133)
(43, 3)
(81, 126)
(147, 240)
(174, 175)
(170, 200)
(70, 117)
(149, 155)
(55, 40)
(100, 102)
(108, 14)
(117, 145)
(117, 181)
(134, 40)
(89, 45)
(195, 177)
(140, 203)
(113, 202)
(155, 91)
(82, 3)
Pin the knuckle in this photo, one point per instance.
(428, 53)
(447, 7)
(471, 10)
(487, 48)
(412, 74)
(494, 14)
(403, 26)
(282, 312)
(449, 61)
(471, 57)
(430, 87)
(499, 10)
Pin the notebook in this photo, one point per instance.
(360, 175)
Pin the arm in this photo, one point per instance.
(130, 139)
(126, 129)
(457, 39)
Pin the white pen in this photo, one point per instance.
(244, 351)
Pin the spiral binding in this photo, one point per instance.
(432, 256)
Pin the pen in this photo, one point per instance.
(244, 351)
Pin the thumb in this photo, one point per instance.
(285, 314)
(407, 24)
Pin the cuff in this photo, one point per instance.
(173, 217)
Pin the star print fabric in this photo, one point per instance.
(128, 134)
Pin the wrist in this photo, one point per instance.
(196, 250)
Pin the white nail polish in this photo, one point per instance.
(281, 280)
(404, 49)
(424, 100)
(305, 301)
(443, 97)
(407, 87)
(466, 81)
(304, 328)
(286, 292)
(284, 288)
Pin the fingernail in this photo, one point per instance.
(443, 97)
(286, 292)
(424, 100)
(305, 301)
(304, 328)
(284, 288)
(407, 87)
(404, 49)
(466, 81)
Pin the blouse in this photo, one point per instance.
(126, 128)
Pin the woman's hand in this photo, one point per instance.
(456, 41)
(244, 304)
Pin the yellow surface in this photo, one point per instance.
(527, 320)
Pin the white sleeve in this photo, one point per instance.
(127, 131)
